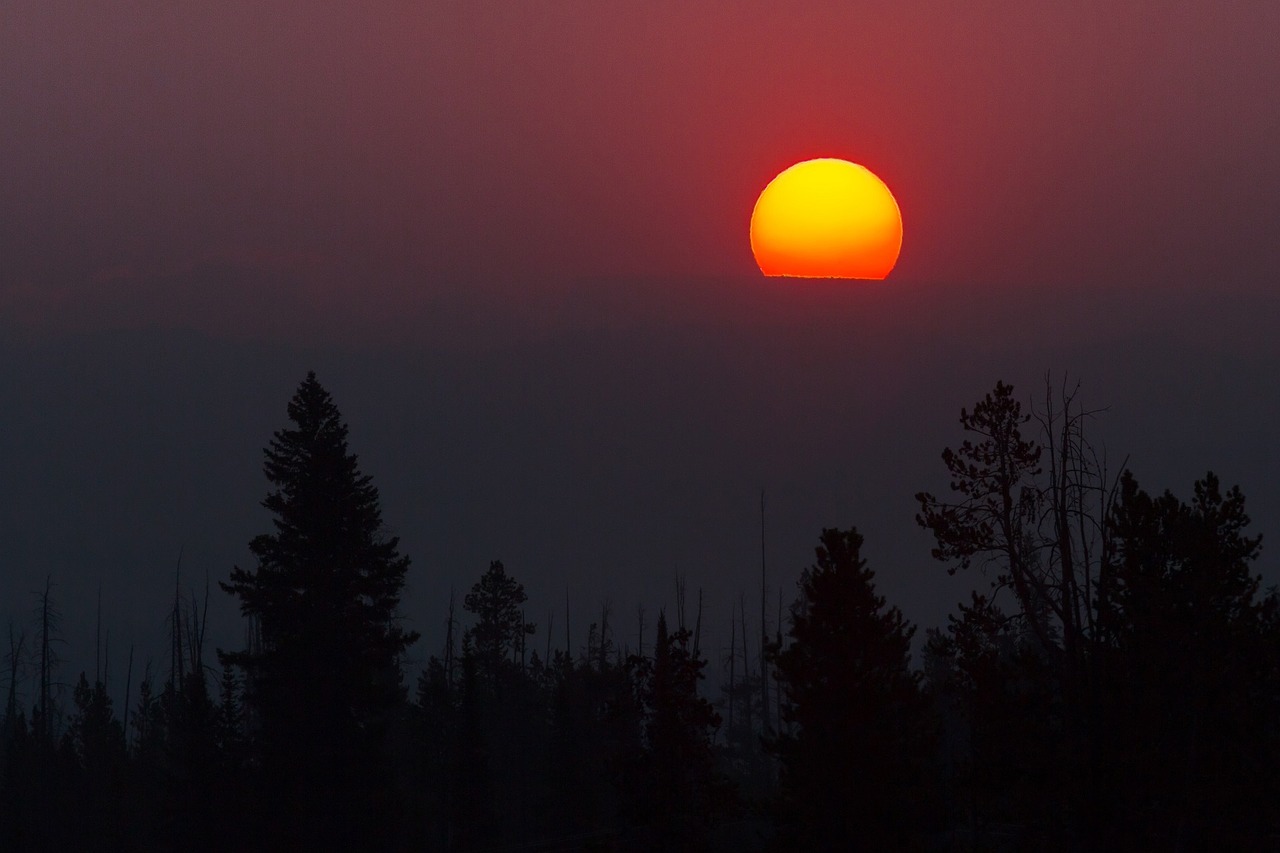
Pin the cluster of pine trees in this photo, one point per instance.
(1113, 686)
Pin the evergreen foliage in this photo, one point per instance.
(858, 728)
(326, 678)
(995, 691)
(495, 600)
(1187, 674)
(997, 506)
(675, 789)
(1123, 693)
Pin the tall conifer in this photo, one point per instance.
(326, 676)
(856, 727)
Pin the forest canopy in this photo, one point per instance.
(1111, 681)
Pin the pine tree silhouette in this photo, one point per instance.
(496, 601)
(852, 770)
(326, 676)
(676, 789)
(1187, 744)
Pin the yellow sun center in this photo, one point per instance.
(826, 218)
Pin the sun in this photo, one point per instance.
(826, 218)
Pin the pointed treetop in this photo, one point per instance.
(313, 410)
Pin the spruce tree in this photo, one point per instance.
(326, 676)
(856, 725)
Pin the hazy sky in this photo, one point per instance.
(512, 237)
(365, 162)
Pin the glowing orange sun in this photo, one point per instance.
(826, 218)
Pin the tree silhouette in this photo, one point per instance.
(502, 705)
(97, 740)
(997, 510)
(496, 601)
(1188, 743)
(229, 719)
(995, 688)
(676, 789)
(853, 764)
(595, 729)
(1034, 507)
(434, 748)
(471, 798)
(743, 750)
(326, 675)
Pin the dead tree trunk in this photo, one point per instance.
(764, 630)
(733, 659)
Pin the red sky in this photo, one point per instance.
(224, 165)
